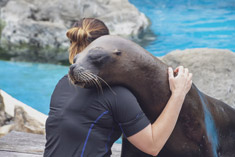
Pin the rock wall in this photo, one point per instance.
(14, 115)
(35, 29)
(3, 3)
(213, 70)
(4, 117)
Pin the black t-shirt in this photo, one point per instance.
(84, 122)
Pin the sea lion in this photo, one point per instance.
(206, 126)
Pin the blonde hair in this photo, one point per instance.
(83, 33)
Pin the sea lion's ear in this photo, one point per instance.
(117, 52)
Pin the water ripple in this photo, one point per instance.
(184, 24)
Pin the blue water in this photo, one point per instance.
(183, 24)
(31, 83)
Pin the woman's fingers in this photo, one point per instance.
(170, 72)
(190, 76)
(180, 70)
(176, 70)
(182, 82)
(186, 72)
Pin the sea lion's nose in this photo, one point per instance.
(74, 69)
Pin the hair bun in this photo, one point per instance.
(77, 34)
(83, 33)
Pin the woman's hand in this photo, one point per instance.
(152, 138)
(180, 84)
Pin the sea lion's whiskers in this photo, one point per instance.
(92, 80)
(71, 81)
(97, 80)
(104, 83)
(81, 77)
(94, 77)
(99, 85)
(88, 79)
(85, 78)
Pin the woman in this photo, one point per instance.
(83, 122)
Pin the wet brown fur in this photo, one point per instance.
(146, 76)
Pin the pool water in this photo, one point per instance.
(31, 83)
(183, 24)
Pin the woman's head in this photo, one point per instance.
(83, 33)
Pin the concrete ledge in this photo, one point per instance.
(23, 144)
(11, 102)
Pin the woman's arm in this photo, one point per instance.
(153, 137)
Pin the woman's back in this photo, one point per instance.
(85, 122)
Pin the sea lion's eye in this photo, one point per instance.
(117, 52)
(98, 57)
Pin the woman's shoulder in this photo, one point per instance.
(64, 82)
(120, 88)
(120, 91)
(65, 78)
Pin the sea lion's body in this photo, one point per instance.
(206, 126)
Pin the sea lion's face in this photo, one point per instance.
(108, 59)
(96, 64)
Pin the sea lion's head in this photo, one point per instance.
(108, 59)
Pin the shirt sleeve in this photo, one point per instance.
(127, 113)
